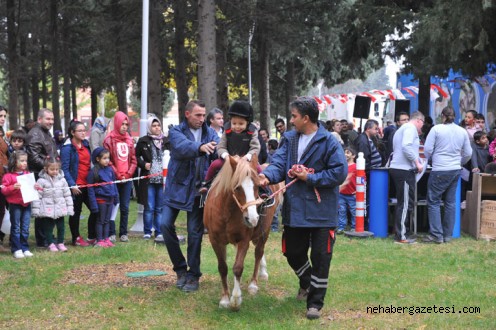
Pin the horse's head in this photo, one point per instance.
(239, 179)
(245, 184)
(245, 191)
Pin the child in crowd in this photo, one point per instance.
(490, 168)
(480, 152)
(492, 147)
(272, 146)
(239, 138)
(17, 141)
(54, 204)
(480, 121)
(347, 192)
(20, 212)
(102, 198)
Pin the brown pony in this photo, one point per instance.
(231, 216)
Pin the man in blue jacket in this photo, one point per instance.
(192, 149)
(307, 222)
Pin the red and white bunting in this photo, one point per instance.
(372, 97)
(409, 91)
(391, 94)
(375, 96)
(319, 101)
(440, 90)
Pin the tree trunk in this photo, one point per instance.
(74, 99)
(120, 80)
(222, 84)
(424, 97)
(207, 68)
(180, 8)
(24, 76)
(12, 63)
(154, 64)
(290, 90)
(67, 75)
(264, 86)
(55, 65)
(44, 89)
(120, 84)
(94, 103)
(35, 93)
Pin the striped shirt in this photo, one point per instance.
(375, 156)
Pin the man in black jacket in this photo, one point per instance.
(39, 146)
(373, 159)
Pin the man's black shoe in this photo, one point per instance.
(181, 281)
(431, 240)
(191, 285)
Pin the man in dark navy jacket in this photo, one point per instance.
(308, 222)
(192, 146)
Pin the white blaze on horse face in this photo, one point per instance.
(250, 214)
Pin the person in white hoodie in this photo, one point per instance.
(405, 162)
(54, 204)
(448, 146)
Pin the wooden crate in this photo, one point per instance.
(483, 188)
(488, 220)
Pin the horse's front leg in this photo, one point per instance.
(260, 269)
(236, 296)
(220, 252)
(262, 272)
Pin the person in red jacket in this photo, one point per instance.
(20, 212)
(123, 162)
(347, 192)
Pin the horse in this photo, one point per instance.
(230, 214)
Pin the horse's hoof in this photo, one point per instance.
(252, 289)
(224, 303)
(263, 276)
(236, 303)
(235, 308)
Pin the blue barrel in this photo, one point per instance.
(378, 209)
(458, 202)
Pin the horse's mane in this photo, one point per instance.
(227, 180)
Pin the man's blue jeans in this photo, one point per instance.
(195, 236)
(19, 227)
(152, 213)
(442, 183)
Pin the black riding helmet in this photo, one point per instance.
(242, 109)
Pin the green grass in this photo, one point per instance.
(41, 292)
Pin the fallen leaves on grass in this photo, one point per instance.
(114, 275)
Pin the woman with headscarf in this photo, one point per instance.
(58, 138)
(149, 153)
(98, 131)
(123, 162)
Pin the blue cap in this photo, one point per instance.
(96, 153)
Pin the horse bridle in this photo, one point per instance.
(243, 208)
